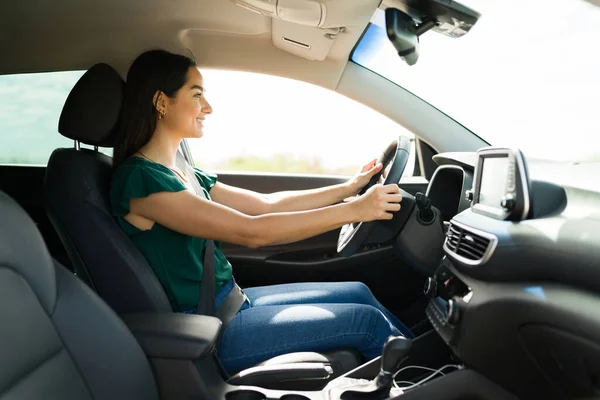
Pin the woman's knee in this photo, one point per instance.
(375, 330)
(361, 291)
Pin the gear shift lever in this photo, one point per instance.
(394, 350)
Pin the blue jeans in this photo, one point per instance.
(317, 317)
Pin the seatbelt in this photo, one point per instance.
(206, 300)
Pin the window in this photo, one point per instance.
(30, 106)
(526, 75)
(264, 123)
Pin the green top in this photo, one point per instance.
(176, 259)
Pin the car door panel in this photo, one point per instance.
(315, 259)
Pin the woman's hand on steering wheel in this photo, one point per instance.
(378, 203)
(364, 175)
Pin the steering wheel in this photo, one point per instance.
(353, 236)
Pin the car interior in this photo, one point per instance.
(491, 261)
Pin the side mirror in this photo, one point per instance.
(402, 32)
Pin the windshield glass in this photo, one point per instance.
(527, 75)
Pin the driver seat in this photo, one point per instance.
(76, 198)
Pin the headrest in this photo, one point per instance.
(23, 251)
(91, 111)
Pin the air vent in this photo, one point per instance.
(467, 246)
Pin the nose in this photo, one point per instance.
(206, 107)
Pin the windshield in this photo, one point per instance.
(527, 75)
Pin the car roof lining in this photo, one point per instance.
(74, 35)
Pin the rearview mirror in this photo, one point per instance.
(412, 18)
(402, 32)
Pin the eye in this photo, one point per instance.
(198, 95)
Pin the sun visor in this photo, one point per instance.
(309, 28)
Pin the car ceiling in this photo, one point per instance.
(74, 34)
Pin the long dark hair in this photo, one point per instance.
(152, 71)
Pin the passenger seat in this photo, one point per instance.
(58, 340)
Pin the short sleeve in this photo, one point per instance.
(138, 181)
(207, 179)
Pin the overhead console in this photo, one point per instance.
(310, 28)
(313, 13)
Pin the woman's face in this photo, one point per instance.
(185, 113)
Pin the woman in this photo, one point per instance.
(156, 205)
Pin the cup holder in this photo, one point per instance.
(245, 395)
(293, 397)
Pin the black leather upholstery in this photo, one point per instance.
(57, 339)
(91, 111)
(20, 250)
(174, 335)
(76, 199)
(76, 190)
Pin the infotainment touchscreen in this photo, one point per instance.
(493, 181)
(501, 186)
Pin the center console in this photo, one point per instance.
(448, 297)
(181, 350)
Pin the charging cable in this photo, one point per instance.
(413, 385)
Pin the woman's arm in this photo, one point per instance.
(253, 203)
(191, 215)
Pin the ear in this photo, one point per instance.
(159, 101)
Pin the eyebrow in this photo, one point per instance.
(197, 87)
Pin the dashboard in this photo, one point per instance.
(448, 190)
(516, 294)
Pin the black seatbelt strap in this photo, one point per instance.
(206, 298)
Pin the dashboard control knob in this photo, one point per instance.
(429, 289)
(508, 201)
(469, 195)
(453, 312)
